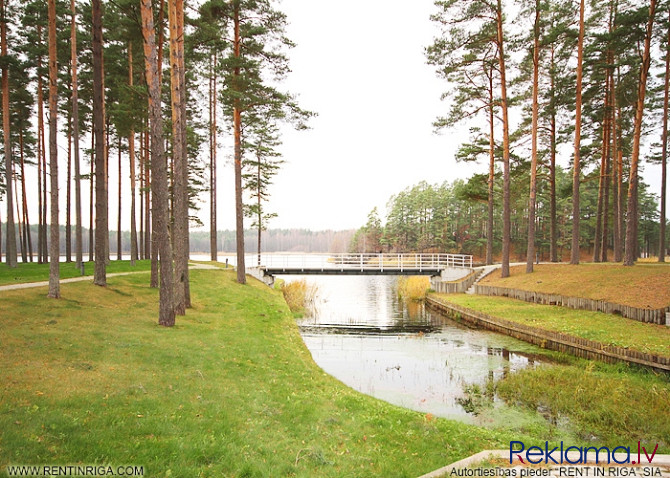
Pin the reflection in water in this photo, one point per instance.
(364, 336)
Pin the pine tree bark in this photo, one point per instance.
(141, 178)
(574, 253)
(131, 161)
(10, 239)
(147, 200)
(78, 234)
(91, 226)
(664, 149)
(180, 171)
(237, 131)
(632, 216)
(26, 221)
(68, 193)
(213, 243)
(40, 192)
(553, 229)
(597, 239)
(159, 172)
(532, 201)
(19, 222)
(491, 179)
(506, 147)
(608, 164)
(119, 239)
(101, 206)
(54, 240)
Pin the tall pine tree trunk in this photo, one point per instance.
(553, 229)
(131, 161)
(119, 239)
(91, 226)
(159, 172)
(491, 179)
(101, 208)
(213, 243)
(632, 216)
(180, 171)
(574, 253)
(597, 239)
(54, 240)
(506, 147)
(78, 233)
(532, 201)
(664, 148)
(237, 131)
(26, 221)
(608, 164)
(10, 239)
(147, 198)
(40, 192)
(141, 177)
(68, 193)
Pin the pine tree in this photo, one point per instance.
(257, 28)
(664, 145)
(75, 138)
(180, 170)
(632, 209)
(10, 239)
(574, 252)
(101, 208)
(159, 171)
(54, 240)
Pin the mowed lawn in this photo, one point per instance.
(230, 391)
(642, 285)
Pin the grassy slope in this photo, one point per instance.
(230, 391)
(606, 328)
(33, 272)
(644, 285)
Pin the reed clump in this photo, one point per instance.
(299, 295)
(413, 287)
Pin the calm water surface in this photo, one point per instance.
(363, 335)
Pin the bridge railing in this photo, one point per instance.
(378, 262)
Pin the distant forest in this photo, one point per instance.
(274, 240)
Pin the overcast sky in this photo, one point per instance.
(360, 65)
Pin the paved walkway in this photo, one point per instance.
(30, 285)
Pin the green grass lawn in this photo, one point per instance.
(34, 272)
(605, 328)
(645, 285)
(231, 390)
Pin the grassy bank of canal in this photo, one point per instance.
(230, 391)
(603, 403)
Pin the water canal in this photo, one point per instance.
(362, 334)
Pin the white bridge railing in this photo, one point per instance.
(362, 262)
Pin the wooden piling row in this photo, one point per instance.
(655, 316)
(558, 341)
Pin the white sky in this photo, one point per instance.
(360, 65)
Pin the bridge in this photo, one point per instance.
(358, 264)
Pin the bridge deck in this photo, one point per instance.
(362, 264)
(352, 272)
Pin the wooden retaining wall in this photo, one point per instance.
(654, 316)
(552, 340)
(453, 287)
